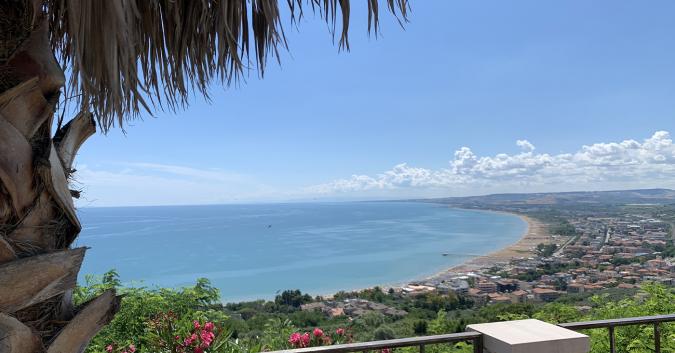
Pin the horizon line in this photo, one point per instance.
(299, 201)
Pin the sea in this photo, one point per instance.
(256, 251)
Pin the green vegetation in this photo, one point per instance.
(141, 306)
(546, 250)
(150, 319)
(563, 227)
(555, 219)
(293, 298)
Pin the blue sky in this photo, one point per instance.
(396, 116)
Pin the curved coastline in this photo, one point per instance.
(492, 239)
(535, 233)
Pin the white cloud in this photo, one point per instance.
(609, 165)
(525, 145)
(629, 163)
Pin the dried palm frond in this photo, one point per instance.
(126, 56)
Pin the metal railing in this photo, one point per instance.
(476, 338)
(612, 323)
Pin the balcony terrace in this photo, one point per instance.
(477, 339)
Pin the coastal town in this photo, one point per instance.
(605, 252)
(590, 253)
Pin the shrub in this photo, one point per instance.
(384, 332)
(420, 327)
(318, 337)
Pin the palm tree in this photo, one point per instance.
(113, 60)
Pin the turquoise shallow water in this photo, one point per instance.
(253, 251)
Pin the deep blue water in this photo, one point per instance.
(252, 251)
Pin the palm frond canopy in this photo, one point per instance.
(126, 56)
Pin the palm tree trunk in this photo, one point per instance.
(38, 222)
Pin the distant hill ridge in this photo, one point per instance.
(639, 196)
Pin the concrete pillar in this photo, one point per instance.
(530, 336)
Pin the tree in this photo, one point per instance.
(546, 250)
(122, 58)
(420, 327)
(293, 298)
(441, 324)
(384, 332)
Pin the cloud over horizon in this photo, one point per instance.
(599, 166)
(603, 165)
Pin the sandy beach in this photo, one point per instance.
(537, 232)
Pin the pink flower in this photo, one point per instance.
(207, 337)
(196, 325)
(317, 332)
(385, 350)
(340, 331)
(294, 339)
(188, 341)
(209, 326)
(177, 337)
(304, 340)
(132, 348)
(198, 350)
(109, 348)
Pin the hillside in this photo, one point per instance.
(618, 197)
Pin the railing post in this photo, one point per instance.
(611, 339)
(421, 348)
(478, 344)
(657, 337)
